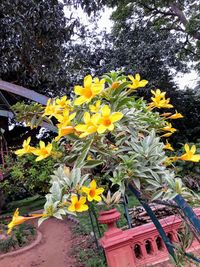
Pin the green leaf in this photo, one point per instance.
(121, 87)
(137, 182)
(92, 163)
(80, 160)
(123, 102)
(42, 219)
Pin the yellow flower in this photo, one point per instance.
(95, 108)
(166, 114)
(27, 149)
(78, 205)
(166, 135)
(16, 220)
(93, 193)
(168, 146)
(107, 119)
(168, 128)
(63, 102)
(89, 157)
(115, 85)
(43, 152)
(136, 82)
(159, 100)
(190, 154)
(170, 160)
(64, 127)
(90, 126)
(176, 116)
(89, 91)
(158, 93)
(51, 109)
(65, 118)
(63, 131)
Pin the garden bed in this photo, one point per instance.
(22, 236)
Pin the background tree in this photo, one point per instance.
(33, 36)
(181, 18)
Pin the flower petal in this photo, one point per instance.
(85, 189)
(97, 198)
(80, 100)
(74, 199)
(72, 208)
(116, 116)
(137, 77)
(78, 90)
(131, 77)
(195, 158)
(83, 208)
(87, 81)
(42, 144)
(93, 184)
(101, 129)
(99, 190)
(187, 148)
(82, 200)
(81, 127)
(143, 83)
(105, 110)
(111, 127)
(193, 149)
(86, 117)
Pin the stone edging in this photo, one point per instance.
(24, 249)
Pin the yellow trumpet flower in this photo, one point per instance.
(43, 152)
(115, 85)
(78, 205)
(136, 82)
(93, 193)
(63, 102)
(107, 119)
(159, 100)
(95, 108)
(168, 146)
(90, 126)
(27, 149)
(190, 154)
(51, 109)
(89, 91)
(175, 116)
(16, 220)
(63, 131)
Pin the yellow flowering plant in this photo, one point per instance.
(108, 126)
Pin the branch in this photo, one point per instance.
(158, 11)
(179, 13)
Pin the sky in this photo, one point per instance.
(183, 80)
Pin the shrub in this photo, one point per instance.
(26, 177)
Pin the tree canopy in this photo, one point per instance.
(180, 18)
(33, 35)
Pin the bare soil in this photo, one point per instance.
(53, 251)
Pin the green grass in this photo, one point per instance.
(132, 202)
(25, 205)
(85, 223)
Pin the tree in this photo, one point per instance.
(33, 35)
(180, 18)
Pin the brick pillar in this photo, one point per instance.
(116, 243)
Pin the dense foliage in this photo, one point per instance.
(25, 177)
(181, 18)
(33, 35)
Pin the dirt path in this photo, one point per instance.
(53, 251)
